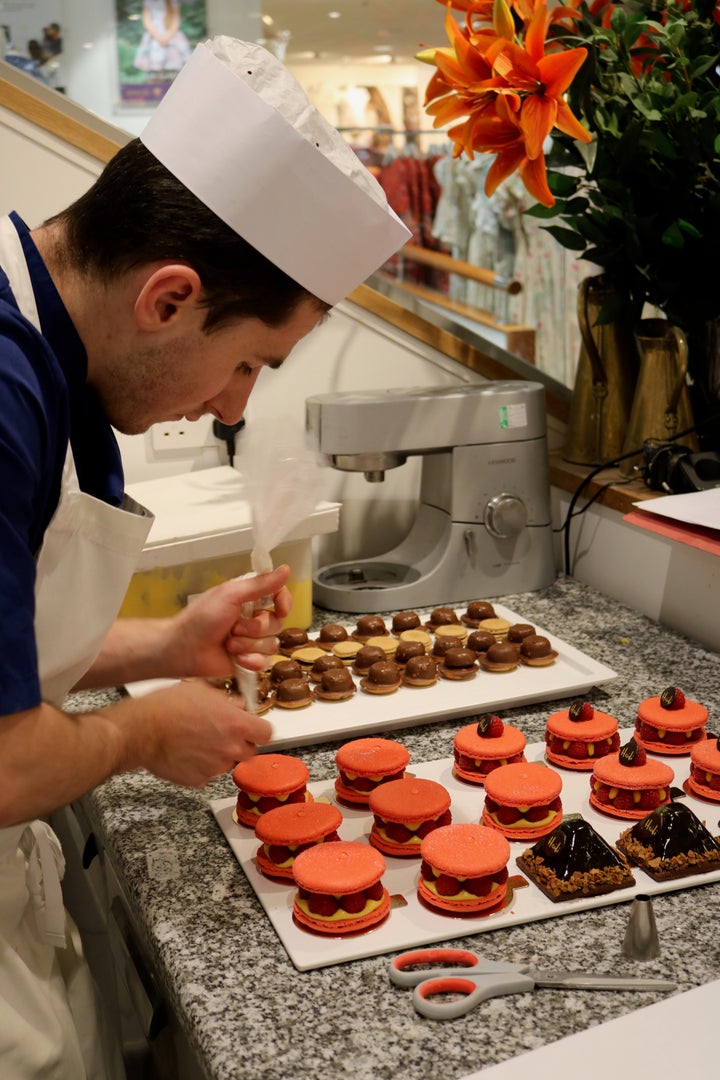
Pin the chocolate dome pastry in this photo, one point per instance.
(476, 611)
(442, 616)
(502, 656)
(382, 678)
(369, 626)
(336, 685)
(519, 631)
(323, 664)
(441, 646)
(536, 651)
(420, 671)
(285, 669)
(366, 656)
(330, 635)
(264, 700)
(459, 663)
(293, 693)
(406, 649)
(454, 632)
(480, 641)
(405, 620)
(291, 638)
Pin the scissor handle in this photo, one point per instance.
(473, 988)
(463, 963)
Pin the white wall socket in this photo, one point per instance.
(183, 435)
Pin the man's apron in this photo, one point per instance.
(48, 1023)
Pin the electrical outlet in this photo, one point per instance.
(184, 435)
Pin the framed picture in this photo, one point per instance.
(154, 39)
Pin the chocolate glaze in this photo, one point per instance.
(293, 690)
(332, 633)
(285, 669)
(575, 847)
(480, 609)
(367, 656)
(502, 652)
(674, 830)
(408, 649)
(383, 673)
(370, 626)
(443, 616)
(292, 638)
(420, 667)
(405, 620)
(337, 681)
(460, 658)
(519, 631)
(480, 640)
(326, 663)
(535, 645)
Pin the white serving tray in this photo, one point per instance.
(572, 673)
(413, 924)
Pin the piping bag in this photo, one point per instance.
(282, 479)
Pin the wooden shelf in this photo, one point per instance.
(620, 495)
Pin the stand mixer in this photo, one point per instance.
(483, 525)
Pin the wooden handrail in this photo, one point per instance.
(439, 261)
(58, 122)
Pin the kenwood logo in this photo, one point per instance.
(502, 461)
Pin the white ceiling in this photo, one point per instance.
(365, 28)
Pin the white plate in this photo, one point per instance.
(572, 673)
(413, 924)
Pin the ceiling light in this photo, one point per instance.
(334, 14)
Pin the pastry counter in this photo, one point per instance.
(241, 1008)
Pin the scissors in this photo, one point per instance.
(443, 971)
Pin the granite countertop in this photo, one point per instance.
(247, 1012)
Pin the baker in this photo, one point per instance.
(203, 253)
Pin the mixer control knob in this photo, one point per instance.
(505, 515)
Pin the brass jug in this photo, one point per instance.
(661, 408)
(605, 379)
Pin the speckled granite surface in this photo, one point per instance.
(247, 1012)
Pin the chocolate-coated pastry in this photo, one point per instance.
(405, 620)
(420, 671)
(292, 693)
(323, 664)
(480, 641)
(443, 616)
(292, 637)
(408, 649)
(518, 632)
(459, 663)
(285, 669)
(336, 685)
(476, 611)
(502, 656)
(366, 657)
(369, 626)
(331, 634)
(382, 677)
(535, 645)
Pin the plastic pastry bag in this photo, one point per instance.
(282, 478)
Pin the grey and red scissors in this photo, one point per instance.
(437, 973)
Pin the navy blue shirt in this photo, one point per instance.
(44, 402)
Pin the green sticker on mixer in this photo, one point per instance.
(503, 417)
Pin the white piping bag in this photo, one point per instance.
(282, 479)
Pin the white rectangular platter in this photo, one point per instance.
(572, 673)
(412, 924)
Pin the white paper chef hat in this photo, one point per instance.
(237, 129)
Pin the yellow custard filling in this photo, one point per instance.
(340, 914)
(612, 792)
(523, 822)
(413, 826)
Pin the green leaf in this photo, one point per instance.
(567, 238)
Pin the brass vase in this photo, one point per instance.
(661, 407)
(605, 379)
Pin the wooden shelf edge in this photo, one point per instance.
(620, 495)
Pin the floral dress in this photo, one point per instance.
(151, 55)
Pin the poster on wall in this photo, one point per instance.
(154, 39)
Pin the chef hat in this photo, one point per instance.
(237, 129)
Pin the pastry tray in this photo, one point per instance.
(410, 923)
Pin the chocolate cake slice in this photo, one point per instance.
(671, 842)
(575, 861)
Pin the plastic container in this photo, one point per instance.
(202, 535)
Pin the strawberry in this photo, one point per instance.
(320, 904)
(581, 710)
(490, 726)
(649, 800)
(374, 892)
(353, 902)
(446, 885)
(478, 886)
(507, 815)
(672, 698)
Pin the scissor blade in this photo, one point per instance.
(580, 980)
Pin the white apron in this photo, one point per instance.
(48, 1022)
